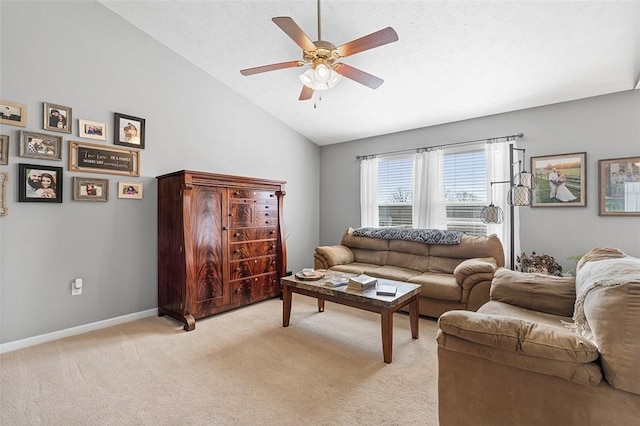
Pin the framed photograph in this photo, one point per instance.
(89, 189)
(4, 177)
(92, 129)
(13, 113)
(88, 157)
(57, 118)
(619, 190)
(4, 149)
(560, 180)
(129, 131)
(38, 183)
(131, 190)
(40, 145)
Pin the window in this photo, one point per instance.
(465, 186)
(395, 191)
(465, 190)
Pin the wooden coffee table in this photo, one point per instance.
(386, 306)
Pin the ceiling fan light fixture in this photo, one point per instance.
(322, 73)
(309, 78)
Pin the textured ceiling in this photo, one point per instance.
(454, 60)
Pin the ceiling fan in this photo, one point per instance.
(321, 56)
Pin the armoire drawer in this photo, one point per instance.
(252, 234)
(255, 288)
(242, 251)
(247, 268)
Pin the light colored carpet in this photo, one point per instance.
(237, 368)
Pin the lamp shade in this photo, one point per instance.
(524, 178)
(519, 195)
(491, 214)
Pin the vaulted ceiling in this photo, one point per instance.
(454, 60)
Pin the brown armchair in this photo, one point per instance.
(537, 354)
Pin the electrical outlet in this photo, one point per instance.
(76, 287)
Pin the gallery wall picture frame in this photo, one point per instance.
(95, 158)
(4, 177)
(39, 183)
(561, 180)
(619, 186)
(40, 145)
(4, 149)
(57, 118)
(130, 190)
(129, 131)
(92, 129)
(13, 113)
(90, 189)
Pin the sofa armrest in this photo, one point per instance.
(537, 292)
(327, 256)
(519, 336)
(472, 271)
(521, 344)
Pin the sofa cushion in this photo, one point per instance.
(500, 308)
(354, 267)
(367, 243)
(376, 257)
(391, 272)
(408, 261)
(411, 247)
(471, 246)
(438, 286)
(538, 292)
(519, 336)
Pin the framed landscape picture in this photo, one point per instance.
(619, 187)
(560, 180)
(13, 113)
(90, 189)
(38, 183)
(40, 145)
(129, 131)
(57, 118)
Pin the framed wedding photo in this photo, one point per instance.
(92, 130)
(619, 186)
(131, 190)
(561, 180)
(57, 118)
(129, 131)
(40, 145)
(38, 183)
(13, 113)
(4, 149)
(90, 189)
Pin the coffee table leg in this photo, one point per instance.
(286, 305)
(413, 317)
(320, 305)
(387, 334)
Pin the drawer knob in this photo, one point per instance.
(237, 233)
(236, 251)
(237, 193)
(225, 228)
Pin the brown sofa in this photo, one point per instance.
(538, 354)
(454, 276)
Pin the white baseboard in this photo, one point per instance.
(43, 338)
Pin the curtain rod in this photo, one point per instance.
(488, 140)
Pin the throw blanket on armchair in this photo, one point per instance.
(427, 236)
(597, 273)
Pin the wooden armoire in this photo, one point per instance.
(220, 243)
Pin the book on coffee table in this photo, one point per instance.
(336, 282)
(362, 283)
(386, 290)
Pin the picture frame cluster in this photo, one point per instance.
(44, 183)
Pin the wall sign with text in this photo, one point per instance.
(88, 157)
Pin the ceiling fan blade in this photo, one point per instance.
(358, 76)
(272, 67)
(306, 93)
(292, 29)
(379, 38)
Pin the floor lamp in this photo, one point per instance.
(520, 194)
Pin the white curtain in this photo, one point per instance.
(429, 209)
(498, 169)
(368, 192)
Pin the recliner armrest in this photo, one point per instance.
(328, 256)
(538, 292)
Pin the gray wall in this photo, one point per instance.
(82, 55)
(603, 127)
